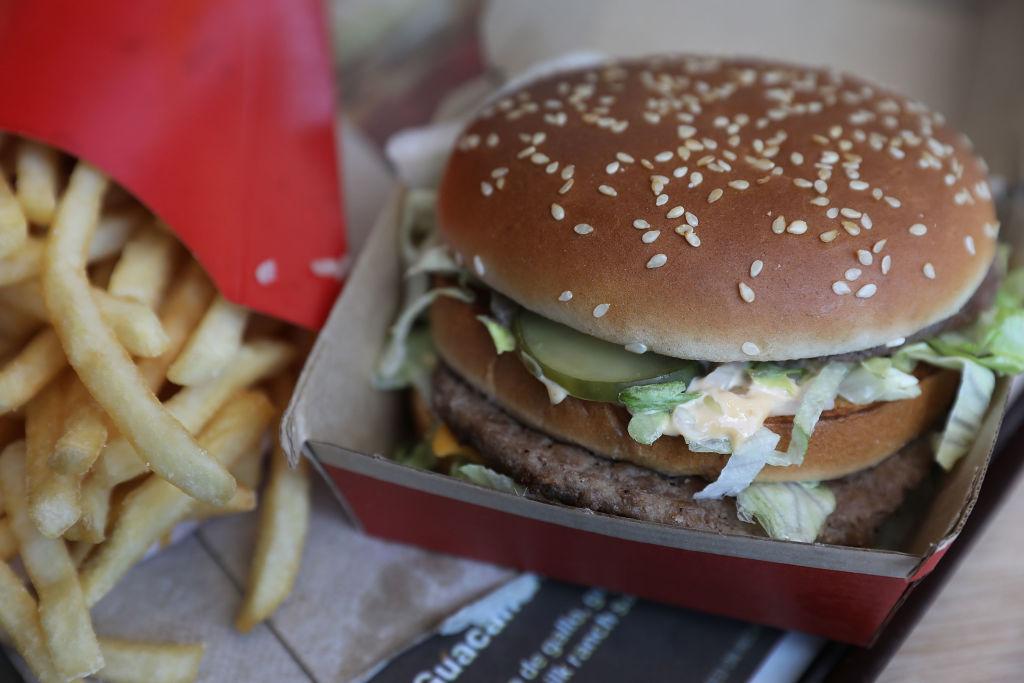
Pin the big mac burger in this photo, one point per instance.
(732, 295)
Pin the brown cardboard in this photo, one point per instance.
(339, 419)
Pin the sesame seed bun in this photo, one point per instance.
(846, 440)
(721, 210)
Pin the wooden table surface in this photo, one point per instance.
(974, 631)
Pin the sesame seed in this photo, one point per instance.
(797, 158)
(917, 229)
(486, 189)
(929, 271)
(820, 201)
(636, 347)
(832, 213)
(692, 239)
(650, 236)
(567, 171)
(557, 212)
(867, 291)
(539, 158)
(865, 220)
(893, 202)
(886, 264)
(583, 229)
(852, 274)
(797, 227)
(500, 183)
(601, 309)
(876, 193)
(750, 348)
(828, 236)
(746, 293)
(969, 245)
(539, 138)
(851, 227)
(567, 186)
(657, 261)
(685, 131)
(991, 229)
(840, 287)
(691, 219)
(607, 190)
(552, 167)
(662, 157)
(756, 267)
(624, 158)
(850, 213)
(898, 341)
(878, 246)
(696, 178)
(779, 225)
(565, 296)
(646, 164)
(865, 257)
(858, 185)
(641, 224)
(612, 168)
(499, 172)
(820, 186)
(829, 157)
(802, 182)
(661, 200)
(675, 212)
(715, 195)
(739, 184)
(679, 171)
(478, 265)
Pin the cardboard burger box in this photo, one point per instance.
(346, 426)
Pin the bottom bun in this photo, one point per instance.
(847, 439)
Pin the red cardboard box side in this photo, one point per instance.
(217, 114)
(841, 605)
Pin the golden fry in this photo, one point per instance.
(13, 224)
(8, 544)
(144, 269)
(84, 433)
(130, 661)
(244, 500)
(152, 509)
(135, 325)
(213, 343)
(65, 620)
(102, 364)
(19, 619)
(30, 370)
(37, 172)
(53, 503)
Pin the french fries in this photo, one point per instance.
(102, 364)
(156, 506)
(284, 521)
(144, 269)
(22, 377)
(213, 343)
(36, 166)
(67, 628)
(84, 435)
(53, 502)
(101, 312)
(19, 621)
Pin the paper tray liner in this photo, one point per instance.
(337, 417)
(217, 115)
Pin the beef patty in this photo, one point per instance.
(575, 476)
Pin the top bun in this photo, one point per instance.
(721, 209)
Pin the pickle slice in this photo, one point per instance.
(591, 368)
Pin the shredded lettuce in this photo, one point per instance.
(791, 511)
(646, 428)
(774, 376)
(418, 455)
(819, 393)
(878, 379)
(502, 337)
(972, 400)
(746, 461)
(649, 398)
(433, 259)
(485, 476)
(388, 372)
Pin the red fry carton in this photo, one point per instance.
(218, 116)
(339, 420)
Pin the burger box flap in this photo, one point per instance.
(227, 135)
(346, 426)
